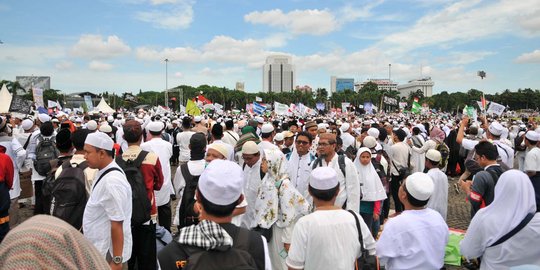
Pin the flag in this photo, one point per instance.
(368, 107)
(51, 104)
(89, 104)
(280, 108)
(496, 108)
(192, 109)
(484, 102)
(344, 106)
(38, 97)
(258, 99)
(320, 106)
(416, 108)
(58, 105)
(201, 100)
(258, 108)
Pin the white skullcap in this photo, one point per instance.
(78, 120)
(221, 182)
(323, 178)
(105, 128)
(321, 126)
(496, 129)
(369, 142)
(110, 118)
(287, 134)
(27, 124)
(220, 148)
(100, 140)
(279, 137)
(419, 185)
(54, 120)
(91, 125)
(44, 117)
(433, 155)
(155, 126)
(259, 120)
(197, 119)
(267, 128)
(373, 132)
(532, 136)
(176, 122)
(344, 127)
(250, 147)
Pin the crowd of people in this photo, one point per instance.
(146, 190)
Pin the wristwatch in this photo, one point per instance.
(117, 259)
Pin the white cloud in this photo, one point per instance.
(463, 58)
(178, 75)
(464, 21)
(309, 21)
(179, 54)
(94, 47)
(532, 57)
(99, 66)
(175, 15)
(351, 12)
(64, 65)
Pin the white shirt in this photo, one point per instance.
(399, 155)
(532, 160)
(18, 155)
(349, 188)
(182, 139)
(110, 200)
(252, 182)
(299, 170)
(327, 239)
(347, 139)
(163, 150)
(230, 137)
(415, 239)
(505, 152)
(264, 145)
(439, 198)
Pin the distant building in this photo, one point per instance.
(75, 100)
(423, 84)
(382, 84)
(239, 86)
(305, 88)
(341, 84)
(26, 82)
(279, 75)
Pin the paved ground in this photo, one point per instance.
(458, 216)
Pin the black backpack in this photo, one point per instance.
(65, 197)
(341, 163)
(141, 205)
(235, 258)
(46, 151)
(186, 215)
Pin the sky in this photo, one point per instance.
(121, 45)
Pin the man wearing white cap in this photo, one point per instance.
(532, 159)
(346, 137)
(107, 216)
(415, 239)
(199, 125)
(267, 136)
(327, 238)
(253, 175)
(439, 198)
(495, 130)
(164, 150)
(218, 193)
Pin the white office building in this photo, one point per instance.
(423, 84)
(279, 74)
(382, 84)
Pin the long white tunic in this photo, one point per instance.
(163, 150)
(439, 198)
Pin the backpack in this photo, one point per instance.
(445, 152)
(341, 163)
(46, 151)
(186, 215)
(139, 198)
(65, 197)
(235, 258)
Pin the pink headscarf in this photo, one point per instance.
(437, 135)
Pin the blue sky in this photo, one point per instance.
(120, 45)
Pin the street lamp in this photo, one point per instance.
(166, 82)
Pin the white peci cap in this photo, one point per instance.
(420, 186)
(100, 140)
(250, 147)
(323, 178)
(221, 182)
(433, 155)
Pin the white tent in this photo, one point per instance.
(5, 99)
(103, 107)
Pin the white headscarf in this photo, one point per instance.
(371, 185)
(277, 199)
(514, 198)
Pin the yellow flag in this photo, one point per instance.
(192, 109)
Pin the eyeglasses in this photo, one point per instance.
(302, 142)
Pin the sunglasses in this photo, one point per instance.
(302, 142)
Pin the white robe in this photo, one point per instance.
(439, 199)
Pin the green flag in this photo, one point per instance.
(416, 108)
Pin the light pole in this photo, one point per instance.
(389, 72)
(166, 82)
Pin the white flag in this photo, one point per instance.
(495, 108)
(258, 99)
(51, 104)
(280, 108)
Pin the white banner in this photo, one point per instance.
(258, 99)
(38, 97)
(496, 108)
(280, 108)
(344, 106)
(51, 104)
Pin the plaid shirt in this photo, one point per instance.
(207, 234)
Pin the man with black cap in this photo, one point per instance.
(417, 238)
(218, 192)
(107, 216)
(327, 238)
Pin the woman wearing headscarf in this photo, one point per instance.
(47, 242)
(278, 206)
(514, 201)
(417, 159)
(373, 192)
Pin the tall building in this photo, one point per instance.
(279, 74)
(423, 84)
(382, 84)
(239, 86)
(341, 84)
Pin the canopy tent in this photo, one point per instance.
(103, 107)
(5, 97)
